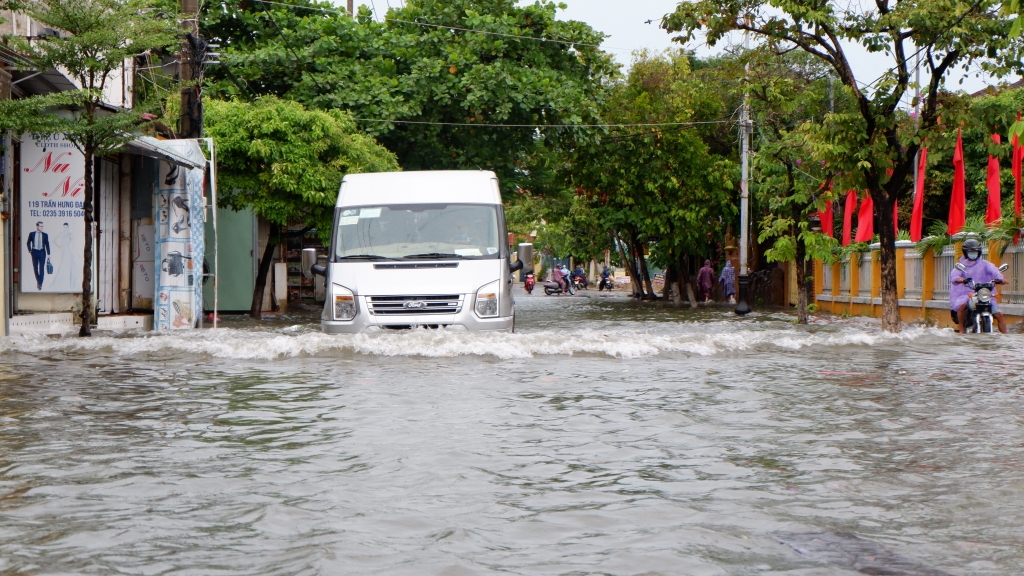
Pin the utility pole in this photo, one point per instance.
(351, 12)
(742, 307)
(191, 58)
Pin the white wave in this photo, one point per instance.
(704, 339)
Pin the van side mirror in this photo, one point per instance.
(515, 266)
(309, 265)
(959, 266)
(1004, 267)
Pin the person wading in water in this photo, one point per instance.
(705, 280)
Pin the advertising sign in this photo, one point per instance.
(179, 217)
(52, 218)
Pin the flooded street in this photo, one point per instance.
(604, 437)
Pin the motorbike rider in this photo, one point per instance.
(605, 279)
(981, 271)
(579, 273)
(560, 277)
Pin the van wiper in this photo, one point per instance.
(364, 257)
(432, 255)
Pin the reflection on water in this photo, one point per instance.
(603, 437)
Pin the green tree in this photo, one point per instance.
(286, 164)
(864, 145)
(95, 38)
(787, 93)
(657, 189)
(454, 67)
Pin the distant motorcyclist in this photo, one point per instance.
(981, 271)
(606, 279)
(579, 273)
(560, 277)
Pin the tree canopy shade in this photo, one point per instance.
(786, 93)
(660, 188)
(95, 39)
(286, 163)
(469, 62)
(863, 146)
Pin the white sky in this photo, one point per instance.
(625, 23)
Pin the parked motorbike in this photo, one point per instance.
(529, 283)
(551, 288)
(979, 306)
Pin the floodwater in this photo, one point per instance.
(604, 437)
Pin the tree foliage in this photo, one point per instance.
(286, 162)
(659, 189)
(864, 145)
(426, 63)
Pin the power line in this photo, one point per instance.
(285, 42)
(475, 125)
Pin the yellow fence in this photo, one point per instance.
(851, 285)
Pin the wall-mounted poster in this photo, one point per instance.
(179, 217)
(52, 217)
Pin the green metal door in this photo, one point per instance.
(237, 275)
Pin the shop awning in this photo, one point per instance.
(153, 148)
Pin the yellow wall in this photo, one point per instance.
(939, 316)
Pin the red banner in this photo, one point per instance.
(918, 215)
(957, 204)
(851, 207)
(993, 213)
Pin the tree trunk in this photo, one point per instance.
(671, 291)
(256, 310)
(638, 291)
(87, 209)
(641, 250)
(801, 276)
(887, 257)
(684, 280)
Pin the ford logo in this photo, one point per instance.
(415, 304)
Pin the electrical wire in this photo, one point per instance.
(287, 46)
(476, 125)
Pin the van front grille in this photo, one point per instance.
(398, 305)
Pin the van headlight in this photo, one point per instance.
(344, 302)
(487, 300)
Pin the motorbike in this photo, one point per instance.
(979, 306)
(578, 283)
(551, 288)
(529, 283)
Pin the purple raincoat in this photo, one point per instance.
(981, 271)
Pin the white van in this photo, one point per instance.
(417, 249)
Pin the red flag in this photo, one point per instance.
(851, 206)
(918, 215)
(866, 220)
(994, 212)
(895, 216)
(1015, 164)
(957, 204)
(826, 219)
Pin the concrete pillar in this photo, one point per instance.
(835, 286)
(125, 236)
(901, 272)
(927, 280)
(855, 265)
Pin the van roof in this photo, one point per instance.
(434, 186)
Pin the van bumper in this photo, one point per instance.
(464, 320)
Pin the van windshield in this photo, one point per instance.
(417, 232)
